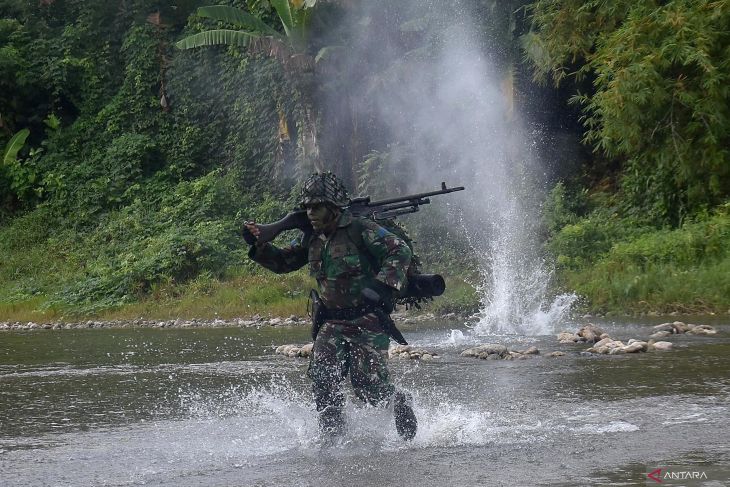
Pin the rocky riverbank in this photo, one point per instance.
(255, 321)
(589, 334)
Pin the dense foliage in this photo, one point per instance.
(645, 225)
(621, 265)
(128, 165)
(658, 101)
(140, 161)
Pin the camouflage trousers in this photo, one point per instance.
(340, 350)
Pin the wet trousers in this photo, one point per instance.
(342, 350)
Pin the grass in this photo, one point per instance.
(686, 270)
(243, 295)
(39, 263)
(29, 310)
(459, 297)
(658, 288)
(34, 263)
(624, 271)
(205, 298)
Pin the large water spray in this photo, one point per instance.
(450, 107)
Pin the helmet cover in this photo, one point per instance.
(324, 188)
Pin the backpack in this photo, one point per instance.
(354, 233)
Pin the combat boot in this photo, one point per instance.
(405, 419)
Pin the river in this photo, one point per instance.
(216, 407)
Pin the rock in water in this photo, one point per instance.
(483, 351)
(293, 351)
(410, 352)
(660, 334)
(590, 332)
(662, 346)
(702, 330)
(494, 351)
(567, 337)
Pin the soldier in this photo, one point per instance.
(346, 256)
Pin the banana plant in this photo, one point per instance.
(23, 177)
(295, 16)
(289, 47)
(14, 145)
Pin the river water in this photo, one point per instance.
(215, 407)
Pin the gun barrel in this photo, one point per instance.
(416, 197)
(362, 206)
(379, 210)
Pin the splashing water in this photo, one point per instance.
(456, 337)
(514, 296)
(279, 418)
(453, 117)
(515, 279)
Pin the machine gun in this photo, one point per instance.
(359, 207)
(420, 286)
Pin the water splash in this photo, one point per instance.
(515, 278)
(449, 114)
(279, 418)
(515, 298)
(456, 337)
(520, 307)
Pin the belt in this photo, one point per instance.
(347, 314)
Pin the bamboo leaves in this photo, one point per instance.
(660, 100)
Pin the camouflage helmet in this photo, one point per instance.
(324, 188)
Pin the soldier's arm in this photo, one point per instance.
(280, 260)
(391, 252)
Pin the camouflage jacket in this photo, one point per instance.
(341, 264)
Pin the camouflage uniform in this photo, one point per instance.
(358, 255)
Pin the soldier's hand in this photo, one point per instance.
(250, 232)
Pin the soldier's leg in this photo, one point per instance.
(371, 381)
(369, 368)
(405, 419)
(327, 369)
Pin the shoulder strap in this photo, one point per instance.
(354, 233)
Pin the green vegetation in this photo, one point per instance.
(117, 192)
(625, 267)
(644, 227)
(129, 165)
(657, 103)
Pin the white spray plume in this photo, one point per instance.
(449, 107)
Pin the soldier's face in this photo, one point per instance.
(322, 217)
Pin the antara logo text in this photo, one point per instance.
(660, 475)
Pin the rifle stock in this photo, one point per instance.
(295, 219)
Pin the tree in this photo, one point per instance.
(291, 48)
(660, 73)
